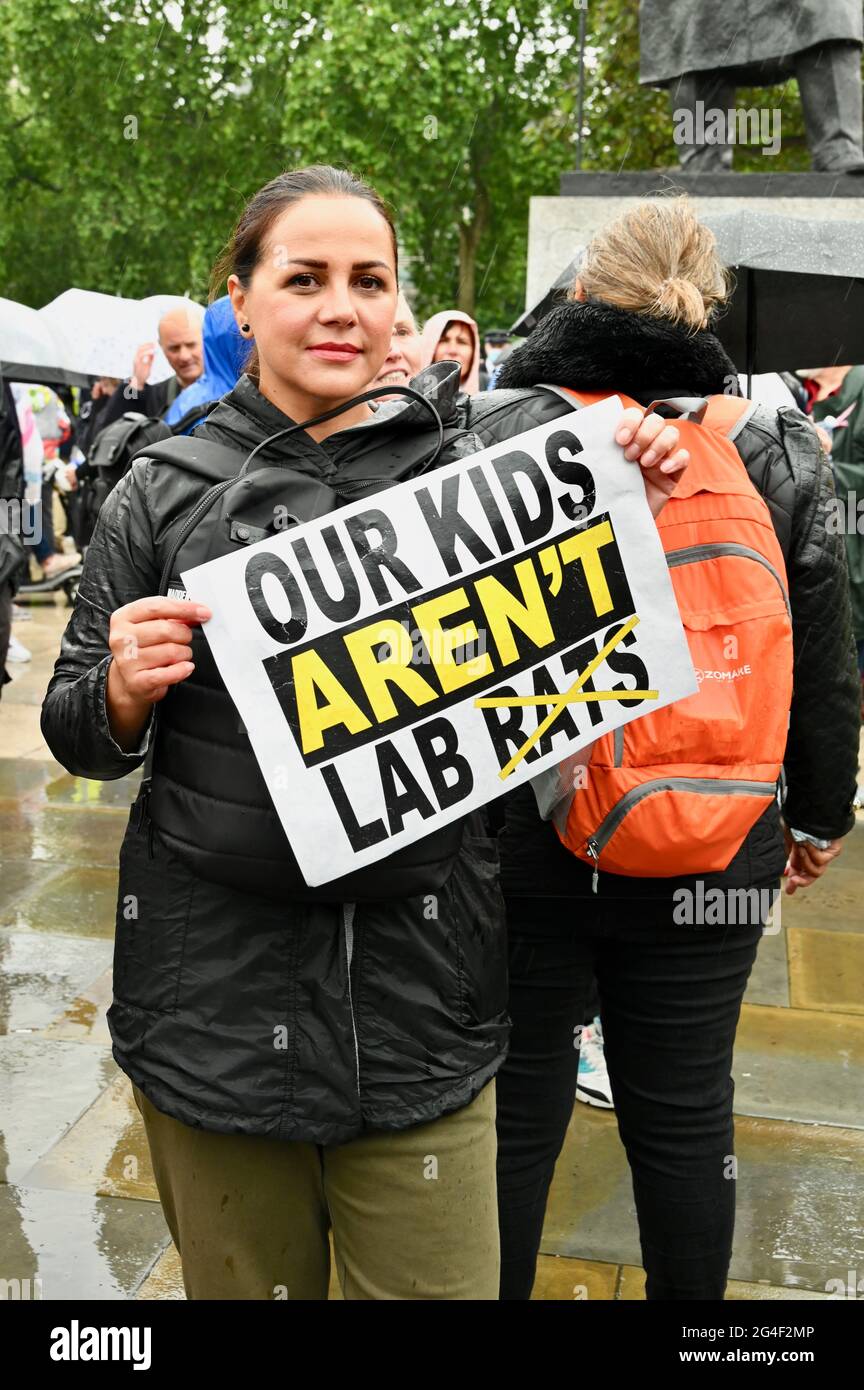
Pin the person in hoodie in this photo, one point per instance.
(299, 1055)
(453, 336)
(225, 352)
(638, 322)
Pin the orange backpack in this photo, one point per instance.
(676, 792)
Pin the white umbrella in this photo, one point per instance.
(32, 349)
(108, 330)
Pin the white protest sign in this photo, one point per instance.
(357, 647)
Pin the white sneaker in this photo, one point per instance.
(59, 563)
(17, 651)
(592, 1084)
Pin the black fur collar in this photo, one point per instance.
(599, 348)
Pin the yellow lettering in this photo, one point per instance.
(584, 546)
(395, 669)
(443, 642)
(311, 676)
(504, 609)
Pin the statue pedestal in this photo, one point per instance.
(558, 226)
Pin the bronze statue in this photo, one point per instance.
(701, 50)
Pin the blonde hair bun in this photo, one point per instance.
(657, 259)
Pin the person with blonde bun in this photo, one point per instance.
(638, 321)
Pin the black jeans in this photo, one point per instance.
(670, 1000)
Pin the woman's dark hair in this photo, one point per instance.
(243, 251)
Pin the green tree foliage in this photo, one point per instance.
(137, 130)
(441, 108)
(132, 131)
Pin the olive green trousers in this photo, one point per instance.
(413, 1212)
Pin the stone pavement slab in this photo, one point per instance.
(800, 1221)
(803, 1065)
(104, 1152)
(79, 1247)
(38, 981)
(826, 970)
(45, 1086)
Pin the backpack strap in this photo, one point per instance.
(727, 415)
(693, 407)
(574, 401)
(578, 400)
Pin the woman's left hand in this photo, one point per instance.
(806, 862)
(653, 443)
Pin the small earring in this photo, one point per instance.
(244, 327)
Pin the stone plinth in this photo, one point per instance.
(558, 226)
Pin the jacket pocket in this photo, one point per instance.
(153, 907)
(479, 923)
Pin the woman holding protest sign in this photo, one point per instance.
(303, 1058)
(665, 878)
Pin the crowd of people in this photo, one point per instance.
(455, 1035)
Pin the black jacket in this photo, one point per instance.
(597, 347)
(248, 1013)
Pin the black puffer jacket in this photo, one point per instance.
(245, 1013)
(597, 347)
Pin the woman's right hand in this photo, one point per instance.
(150, 641)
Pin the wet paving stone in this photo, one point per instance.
(165, 1280)
(566, 1280)
(19, 878)
(807, 1066)
(834, 902)
(85, 1020)
(20, 778)
(632, 1288)
(62, 834)
(826, 970)
(80, 791)
(75, 902)
(39, 979)
(105, 1152)
(769, 978)
(44, 1087)
(562, 1279)
(799, 1222)
(78, 1247)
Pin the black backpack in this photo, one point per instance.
(116, 446)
